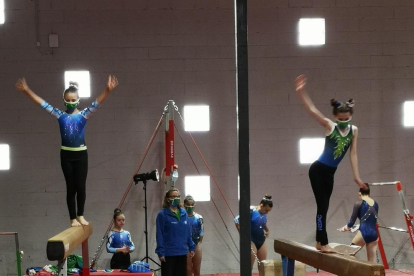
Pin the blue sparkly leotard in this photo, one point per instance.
(368, 217)
(118, 240)
(258, 222)
(197, 227)
(72, 126)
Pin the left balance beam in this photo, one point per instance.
(61, 245)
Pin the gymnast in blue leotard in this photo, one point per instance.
(119, 243)
(73, 153)
(197, 234)
(259, 230)
(367, 212)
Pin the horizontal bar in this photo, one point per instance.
(383, 183)
(394, 229)
(7, 233)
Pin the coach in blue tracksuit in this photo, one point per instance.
(173, 236)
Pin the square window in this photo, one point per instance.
(196, 118)
(310, 149)
(4, 157)
(198, 187)
(83, 80)
(312, 31)
(408, 113)
(1, 11)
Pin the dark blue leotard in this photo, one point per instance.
(368, 217)
(258, 222)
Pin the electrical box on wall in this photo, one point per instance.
(53, 40)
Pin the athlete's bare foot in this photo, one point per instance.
(327, 249)
(82, 220)
(318, 246)
(74, 223)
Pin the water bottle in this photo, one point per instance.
(174, 175)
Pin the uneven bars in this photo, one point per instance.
(383, 183)
(393, 228)
(7, 233)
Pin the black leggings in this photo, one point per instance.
(120, 261)
(174, 266)
(75, 169)
(322, 180)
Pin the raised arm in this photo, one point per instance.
(354, 160)
(21, 85)
(300, 83)
(112, 83)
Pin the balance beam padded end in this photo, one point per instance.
(61, 245)
(334, 263)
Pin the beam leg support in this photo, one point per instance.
(85, 258)
(288, 266)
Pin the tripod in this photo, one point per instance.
(146, 258)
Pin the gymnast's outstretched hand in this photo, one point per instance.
(344, 229)
(21, 85)
(300, 82)
(112, 83)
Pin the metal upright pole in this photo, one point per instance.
(381, 249)
(18, 252)
(242, 80)
(18, 255)
(169, 144)
(146, 221)
(85, 258)
(407, 216)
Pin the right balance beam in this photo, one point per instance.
(334, 263)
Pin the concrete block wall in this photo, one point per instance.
(184, 50)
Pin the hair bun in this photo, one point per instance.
(350, 103)
(74, 84)
(335, 103)
(268, 197)
(117, 210)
